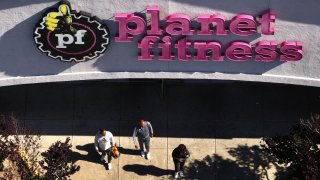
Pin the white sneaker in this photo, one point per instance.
(181, 174)
(109, 166)
(142, 153)
(176, 175)
(148, 156)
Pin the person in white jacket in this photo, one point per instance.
(103, 142)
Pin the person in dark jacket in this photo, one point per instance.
(180, 154)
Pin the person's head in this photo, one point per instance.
(103, 132)
(141, 122)
(182, 148)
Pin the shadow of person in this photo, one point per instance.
(134, 152)
(88, 153)
(143, 170)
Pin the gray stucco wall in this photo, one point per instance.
(22, 63)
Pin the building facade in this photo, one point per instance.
(250, 22)
(215, 75)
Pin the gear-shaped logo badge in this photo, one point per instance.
(68, 35)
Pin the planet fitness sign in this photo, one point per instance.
(131, 25)
(71, 36)
(68, 35)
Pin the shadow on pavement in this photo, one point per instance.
(90, 155)
(248, 162)
(143, 170)
(123, 150)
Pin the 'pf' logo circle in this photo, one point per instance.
(71, 36)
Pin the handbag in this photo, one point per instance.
(115, 152)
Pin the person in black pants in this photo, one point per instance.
(180, 154)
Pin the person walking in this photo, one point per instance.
(180, 154)
(143, 132)
(103, 142)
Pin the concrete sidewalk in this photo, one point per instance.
(131, 166)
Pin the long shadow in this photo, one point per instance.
(250, 163)
(127, 151)
(90, 155)
(144, 170)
